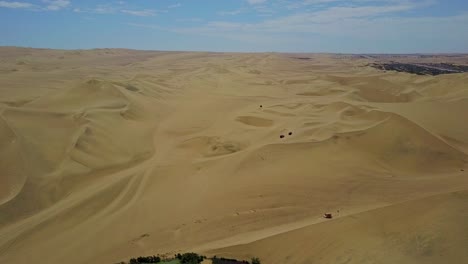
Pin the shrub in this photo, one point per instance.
(216, 260)
(149, 259)
(190, 258)
(256, 261)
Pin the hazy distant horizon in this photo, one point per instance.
(275, 52)
(307, 26)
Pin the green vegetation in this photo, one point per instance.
(188, 258)
(145, 260)
(173, 261)
(150, 259)
(256, 261)
(228, 261)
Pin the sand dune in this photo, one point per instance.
(109, 154)
(419, 231)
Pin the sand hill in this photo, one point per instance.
(109, 154)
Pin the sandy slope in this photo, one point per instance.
(429, 230)
(109, 154)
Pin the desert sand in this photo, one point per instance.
(110, 154)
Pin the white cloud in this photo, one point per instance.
(260, 9)
(310, 21)
(398, 34)
(8, 4)
(102, 9)
(256, 2)
(145, 12)
(194, 19)
(110, 9)
(382, 34)
(231, 13)
(175, 5)
(292, 4)
(263, 10)
(146, 26)
(48, 5)
(350, 26)
(54, 5)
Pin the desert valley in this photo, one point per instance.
(107, 154)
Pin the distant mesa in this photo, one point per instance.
(422, 68)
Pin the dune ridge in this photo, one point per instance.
(118, 153)
(418, 233)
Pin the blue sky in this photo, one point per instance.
(355, 26)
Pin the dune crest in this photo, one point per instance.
(110, 154)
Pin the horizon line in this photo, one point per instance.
(208, 51)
